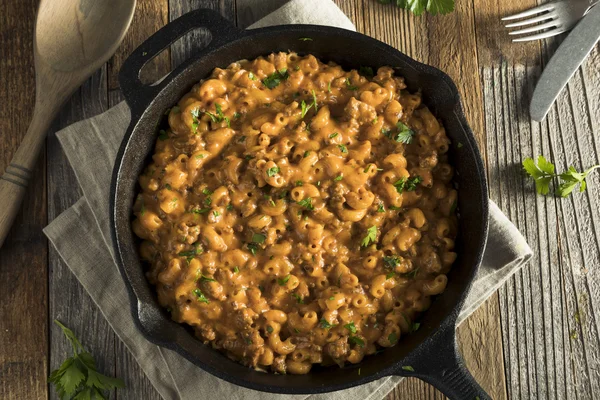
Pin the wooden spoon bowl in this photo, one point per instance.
(72, 39)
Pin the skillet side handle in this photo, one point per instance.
(444, 368)
(137, 94)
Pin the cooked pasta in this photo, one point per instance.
(295, 213)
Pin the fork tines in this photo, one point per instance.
(545, 13)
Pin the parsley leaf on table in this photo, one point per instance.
(542, 171)
(77, 376)
(417, 7)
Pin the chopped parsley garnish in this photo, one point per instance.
(220, 117)
(306, 203)
(236, 269)
(258, 238)
(242, 139)
(405, 134)
(206, 279)
(391, 261)
(298, 298)
(412, 274)
(208, 201)
(200, 210)
(390, 275)
(207, 192)
(199, 156)
(343, 148)
(323, 323)
(393, 338)
(380, 209)
(459, 145)
(334, 134)
(409, 184)
(349, 85)
(284, 280)
(305, 39)
(190, 254)
(272, 203)
(236, 115)
(415, 326)
(299, 183)
(162, 135)
(306, 153)
(408, 368)
(229, 207)
(269, 329)
(433, 7)
(273, 80)
(305, 107)
(251, 76)
(366, 71)
(168, 187)
(351, 327)
(200, 296)
(338, 178)
(273, 171)
(356, 340)
(253, 247)
(216, 213)
(370, 238)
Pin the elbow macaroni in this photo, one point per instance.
(284, 220)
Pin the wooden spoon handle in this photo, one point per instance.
(13, 183)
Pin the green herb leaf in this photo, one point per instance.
(417, 7)
(404, 134)
(366, 71)
(284, 280)
(305, 39)
(236, 269)
(542, 173)
(298, 298)
(163, 135)
(349, 85)
(409, 184)
(200, 296)
(273, 80)
(206, 279)
(77, 377)
(391, 262)
(357, 341)
(343, 148)
(334, 134)
(408, 368)
(269, 329)
(306, 203)
(273, 171)
(258, 238)
(351, 327)
(370, 238)
(251, 76)
(380, 209)
(306, 153)
(393, 338)
(323, 323)
(338, 178)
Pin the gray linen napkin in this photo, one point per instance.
(91, 147)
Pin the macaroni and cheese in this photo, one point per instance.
(295, 213)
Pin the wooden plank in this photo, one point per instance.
(23, 258)
(150, 16)
(69, 303)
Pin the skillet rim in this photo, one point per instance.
(447, 322)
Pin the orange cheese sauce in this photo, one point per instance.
(295, 213)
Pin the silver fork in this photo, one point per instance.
(551, 19)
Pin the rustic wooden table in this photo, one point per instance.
(538, 337)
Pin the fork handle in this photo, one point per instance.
(14, 182)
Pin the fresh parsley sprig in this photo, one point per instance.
(77, 377)
(417, 7)
(542, 171)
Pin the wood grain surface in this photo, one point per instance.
(537, 338)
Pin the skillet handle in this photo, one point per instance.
(439, 363)
(139, 95)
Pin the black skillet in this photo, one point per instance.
(429, 353)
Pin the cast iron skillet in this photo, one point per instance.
(429, 353)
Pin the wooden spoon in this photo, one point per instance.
(72, 39)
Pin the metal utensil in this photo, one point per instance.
(563, 64)
(551, 19)
(72, 39)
